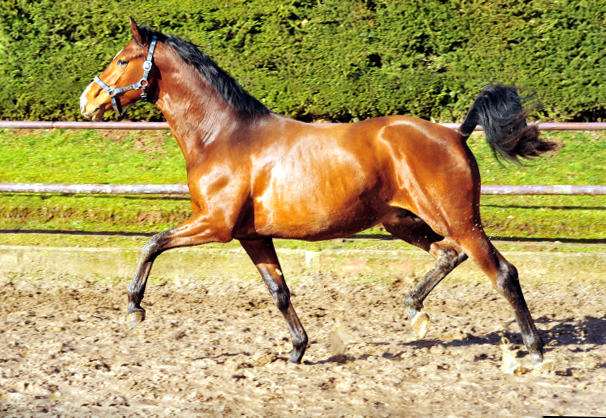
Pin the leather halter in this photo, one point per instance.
(142, 84)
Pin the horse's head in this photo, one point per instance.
(125, 81)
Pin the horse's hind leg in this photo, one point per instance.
(263, 254)
(504, 277)
(452, 251)
(448, 255)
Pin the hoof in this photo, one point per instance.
(296, 355)
(294, 359)
(420, 324)
(134, 319)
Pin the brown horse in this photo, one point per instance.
(255, 175)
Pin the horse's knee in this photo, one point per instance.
(153, 247)
(149, 250)
(277, 288)
(507, 282)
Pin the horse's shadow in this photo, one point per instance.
(590, 330)
(565, 332)
(556, 333)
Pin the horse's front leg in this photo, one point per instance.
(196, 231)
(263, 254)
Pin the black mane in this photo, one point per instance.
(232, 92)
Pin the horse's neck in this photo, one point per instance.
(195, 111)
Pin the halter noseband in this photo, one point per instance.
(142, 84)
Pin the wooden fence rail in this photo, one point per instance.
(135, 189)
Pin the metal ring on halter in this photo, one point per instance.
(142, 84)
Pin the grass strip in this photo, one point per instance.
(151, 157)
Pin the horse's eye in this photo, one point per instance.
(122, 63)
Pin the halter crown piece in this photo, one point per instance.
(142, 84)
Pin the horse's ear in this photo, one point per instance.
(135, 31)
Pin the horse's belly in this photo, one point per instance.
(315, 229)
(313, 216)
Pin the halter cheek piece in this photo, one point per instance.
(142, 84)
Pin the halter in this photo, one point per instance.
(142, 84)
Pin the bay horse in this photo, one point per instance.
(254, 175)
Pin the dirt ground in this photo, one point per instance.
(219, 349)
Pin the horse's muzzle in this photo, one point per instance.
(87, 107)
(96, 114)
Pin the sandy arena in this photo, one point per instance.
(219, 349)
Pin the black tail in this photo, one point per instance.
(499, 110)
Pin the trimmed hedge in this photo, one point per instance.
(330, 59)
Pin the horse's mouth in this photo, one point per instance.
(96, 115)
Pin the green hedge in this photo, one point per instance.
(330, 59)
